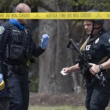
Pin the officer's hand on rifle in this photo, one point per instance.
(44, 41)
(94, 69)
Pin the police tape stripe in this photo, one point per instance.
(57, 15)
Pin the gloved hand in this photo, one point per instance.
(44, 41)
(2, 84)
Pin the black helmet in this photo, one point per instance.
(97, 21)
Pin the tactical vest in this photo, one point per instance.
(18, 45)
(96, 54)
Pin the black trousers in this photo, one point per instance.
(4, 105)
(97, 97)
(18, 90)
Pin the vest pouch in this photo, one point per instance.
(29, 52)
(16, 52)
(7, 51)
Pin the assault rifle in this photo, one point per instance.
(86, 66)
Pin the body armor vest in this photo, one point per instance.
(18, 45)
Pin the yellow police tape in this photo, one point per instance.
(57, 15)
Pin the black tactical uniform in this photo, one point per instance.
(97, 48)
(16, 47)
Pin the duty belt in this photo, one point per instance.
(18, 68)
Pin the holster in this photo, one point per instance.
(19, 68)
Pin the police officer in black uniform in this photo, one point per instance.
(16, 49)
(97, 48)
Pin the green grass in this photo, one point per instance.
(57, 108)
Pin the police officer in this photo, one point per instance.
(96, 49)
(16, 48)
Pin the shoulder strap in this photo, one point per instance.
(84, 44)
(103, 60)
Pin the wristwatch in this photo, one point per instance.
(100, 67)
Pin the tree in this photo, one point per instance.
(57, 55)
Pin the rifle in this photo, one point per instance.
(86, 66)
